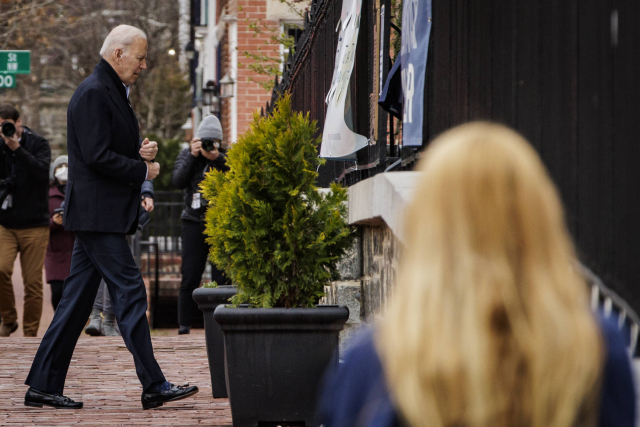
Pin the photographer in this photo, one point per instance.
(24, 218)
(206, 152)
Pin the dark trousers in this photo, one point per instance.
(195, 251)
(96, 256)
(56, 292)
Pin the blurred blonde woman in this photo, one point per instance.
(490, 324)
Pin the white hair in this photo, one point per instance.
(121, 37)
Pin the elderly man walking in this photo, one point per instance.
(107, 166)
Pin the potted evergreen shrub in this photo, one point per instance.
(278, 238)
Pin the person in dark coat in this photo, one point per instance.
(24, 220)
(57, 262)
(107, 166)
(356, 394)
(188, 172)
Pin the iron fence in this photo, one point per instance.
(307, 76)
(560, 78)
(164, 234)
(611, 305)
(158, 252)
(164, 229)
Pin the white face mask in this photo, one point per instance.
(61, 174)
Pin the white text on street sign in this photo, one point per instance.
(15, 61)
(7, 81)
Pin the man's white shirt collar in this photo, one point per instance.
(127, 89)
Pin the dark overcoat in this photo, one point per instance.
(106, 171)
(357, 394)
(28, 165)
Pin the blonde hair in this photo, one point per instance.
(490, 323)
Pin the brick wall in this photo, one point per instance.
(252, 96)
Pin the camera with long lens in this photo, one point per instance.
(8, 129)
(208, 144)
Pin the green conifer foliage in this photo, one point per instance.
(269, 228)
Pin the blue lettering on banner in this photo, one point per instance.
(416, 29)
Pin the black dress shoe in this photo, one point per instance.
(37, 399)
(176, 392)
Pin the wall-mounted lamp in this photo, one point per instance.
(210, 96)
(190, 51)
(226, 86)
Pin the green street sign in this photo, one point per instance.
(15, 61)
(7, 81)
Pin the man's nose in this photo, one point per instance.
(144, 65)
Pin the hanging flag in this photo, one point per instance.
(339, 141)
(416, 29)
(391, 96)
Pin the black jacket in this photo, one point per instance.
(105, 168)
(30, 166)
(188, 172)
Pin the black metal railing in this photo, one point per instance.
(157, 250)
(307, 76)
(610, 304)
(164, 229)
(155, 273)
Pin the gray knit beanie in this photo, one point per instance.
(210, 128)
(57, 162)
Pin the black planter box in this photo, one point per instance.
(275, 359)
(208, 299)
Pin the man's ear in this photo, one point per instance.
(118, 54)
(19, 122)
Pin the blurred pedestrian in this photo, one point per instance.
(206, 152)
(24, 219)
(490, 322)
(102, 320)
(57, 262)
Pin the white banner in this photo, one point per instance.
(338, 139)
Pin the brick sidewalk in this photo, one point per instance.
(103, 376)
